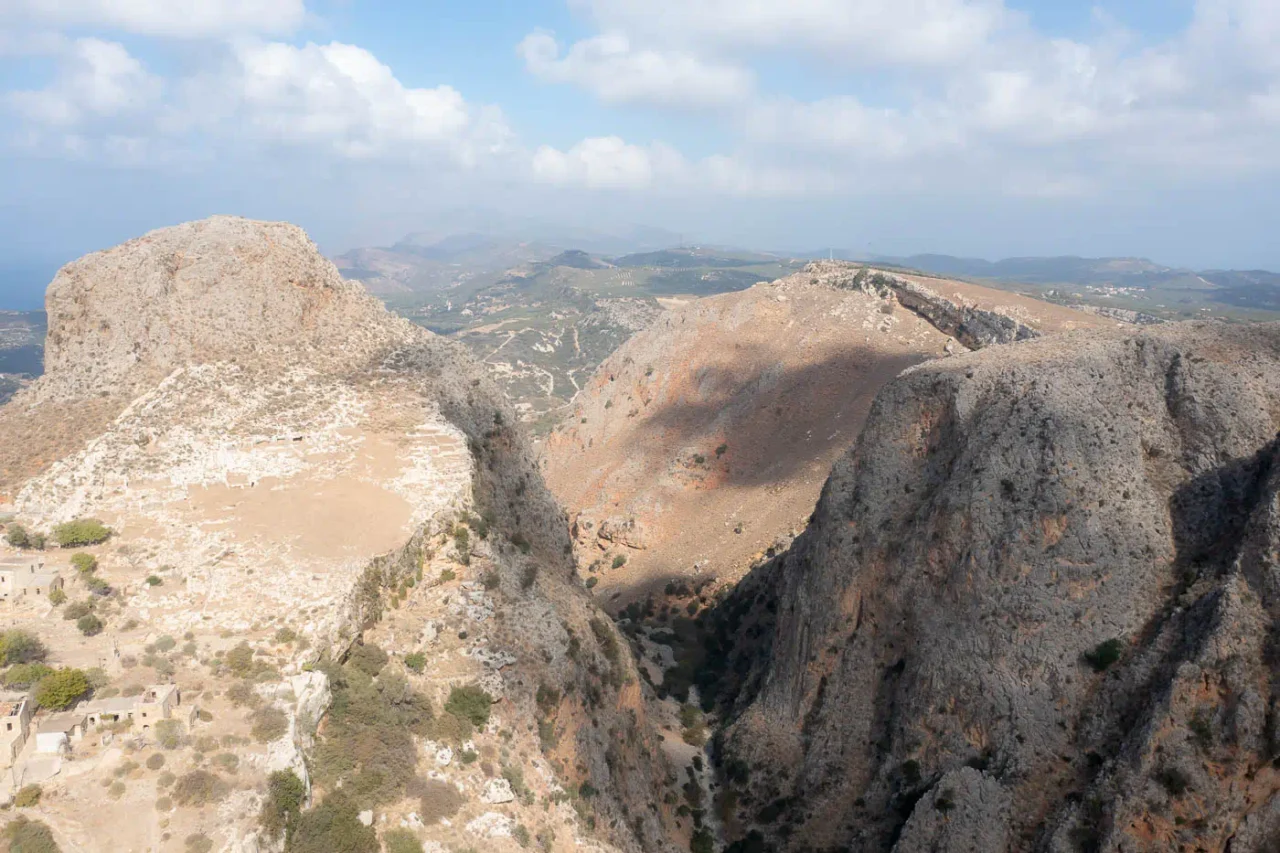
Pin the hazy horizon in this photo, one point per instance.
(975, 128)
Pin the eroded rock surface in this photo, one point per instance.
(1035, 609)
(283, 463)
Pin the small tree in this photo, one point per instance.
(470, 703)
(84, 563)
(81, 533)
(415, 661)
(61, 689)
(285, 794)
(17, 646)
(57, 596)
(17, 536)
(89, 625)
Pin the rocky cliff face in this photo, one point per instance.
(285, 457)
(1035, 610)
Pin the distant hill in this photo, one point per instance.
(1133, 284)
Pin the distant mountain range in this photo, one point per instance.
(1135, 283)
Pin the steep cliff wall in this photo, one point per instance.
(1034, 609)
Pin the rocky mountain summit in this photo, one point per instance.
(704, 440)
(1035, 610)
(290, 468)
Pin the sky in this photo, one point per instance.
(989, 128)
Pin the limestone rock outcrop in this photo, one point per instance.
(1035, 610)
(279, 456)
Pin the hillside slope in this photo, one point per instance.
(288, 466)
(706, 438)
(1035, 610)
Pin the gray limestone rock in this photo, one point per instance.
(1054, 561)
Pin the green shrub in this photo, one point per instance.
(57, 596)
(199, 788)
(154, 580)
(521, 835)
(17, 536)
(702, 842)
(619, 561)
(168, 734)
(722, 450)
(61, 689)
(402, 841)
(242, 693)
(155, 761)
(24, 835)
(416, 661)
(23, 675)
(285, 634)
(97, 585)
(164, 804)
(1104, 654)
(285, 795)
(240, 660)
(18, 646)
(198, 843)
(80, 533)
(76, 610)
(447, 575)
(470, 703)
(368, 658)
(333, 827)
(592, 581)
(165, 644)
(437, 800)
(269, 723)
(28, 796)
(368, 742)
(450, 729)
(608, 641)
(84, 563)
(89, 625)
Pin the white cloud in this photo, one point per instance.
(334, 97)
(917, 32)
(611, 163)
(96, 80)
(615, 71)
(174, 18)
(604, 163)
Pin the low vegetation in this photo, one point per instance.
(199, 788)
(62, 688)
(18, 646)
(333, 827)
(283, 805)
(23, 835)
(1102, 656)
(470, 703)
(28, 796)
(19, 537)
(81, 533)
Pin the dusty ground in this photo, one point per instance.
(707, 437)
